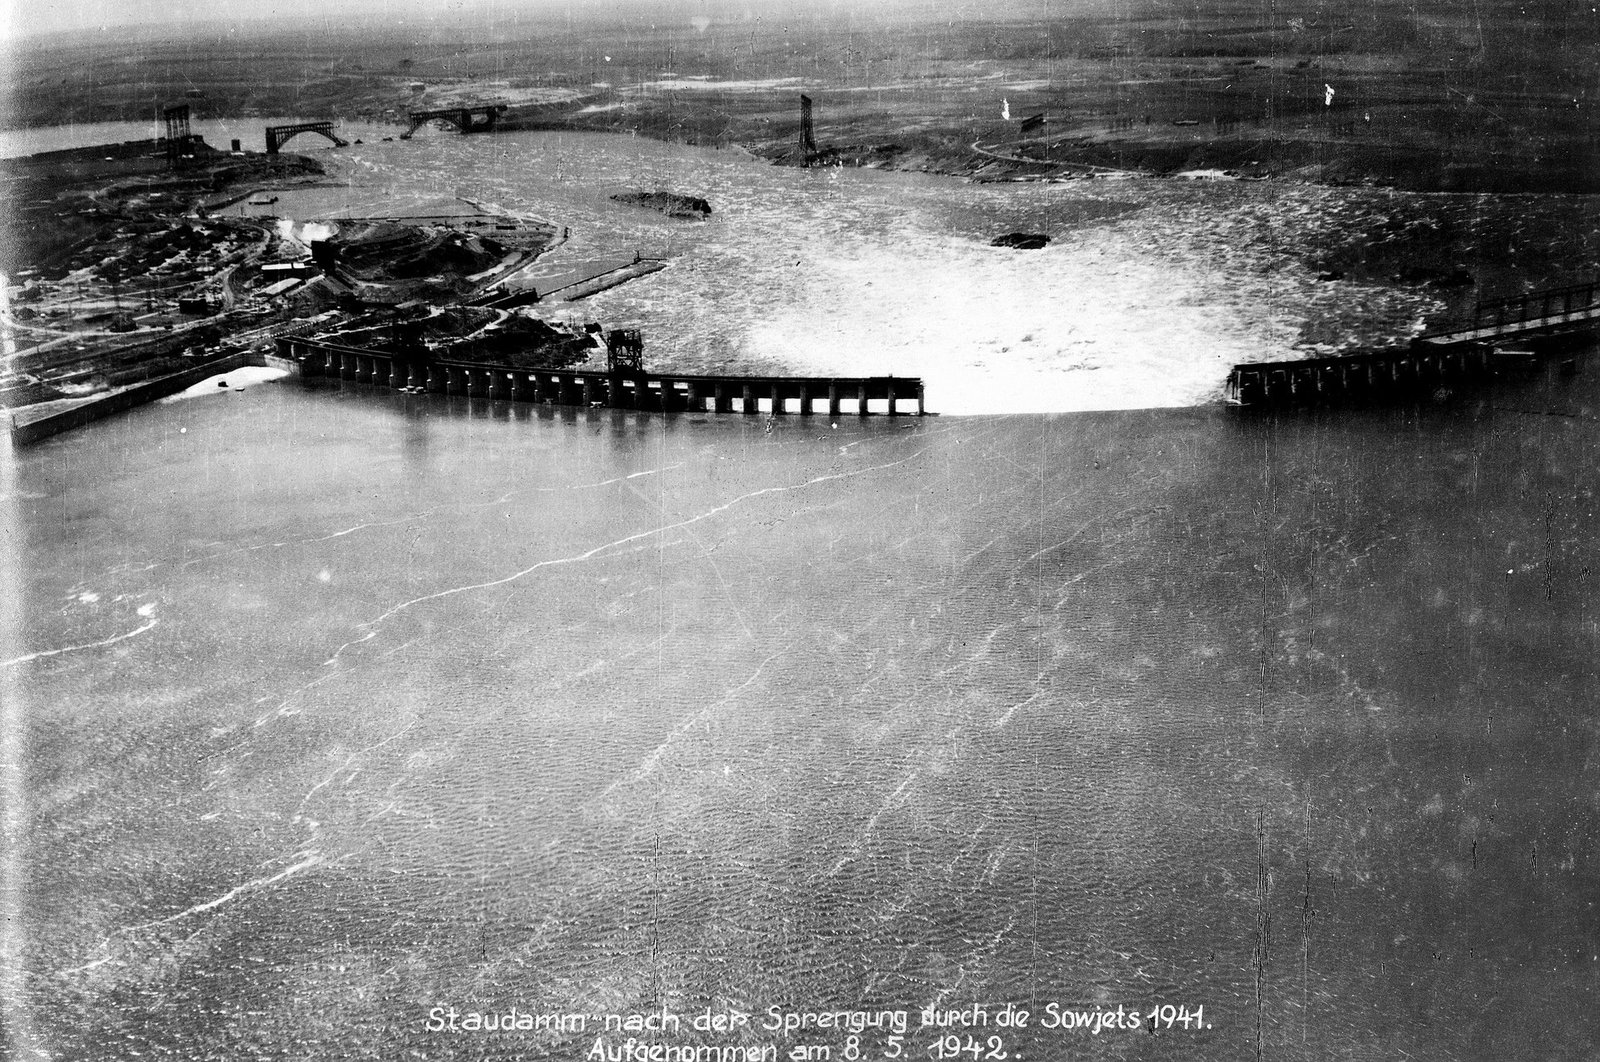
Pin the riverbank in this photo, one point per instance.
(1434, 98)
(33, 424)
(132, 266)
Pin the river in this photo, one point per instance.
(1148, 293)
(339, 710)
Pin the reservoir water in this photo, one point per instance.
(338, 710)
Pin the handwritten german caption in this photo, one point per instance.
(973, 1033)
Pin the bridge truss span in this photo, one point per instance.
(278, 135)
(479, 118)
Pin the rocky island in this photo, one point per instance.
(671, 204)
(1022, 241)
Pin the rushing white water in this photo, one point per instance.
(1148, 293)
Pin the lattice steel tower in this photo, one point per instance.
(808, 139)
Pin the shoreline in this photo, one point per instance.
(953, 163)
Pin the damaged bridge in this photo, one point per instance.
(481, 118)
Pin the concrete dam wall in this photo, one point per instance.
(653, 391)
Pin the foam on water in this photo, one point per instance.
(222, 383)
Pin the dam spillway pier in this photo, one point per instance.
(1384, 376)
(1552, 331)
(650, 391)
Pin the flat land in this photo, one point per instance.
(1427, 94)
(126, 264)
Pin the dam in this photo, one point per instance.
(1387, 375)
(629, 389)
(1551, 329)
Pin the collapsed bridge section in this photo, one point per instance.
(478, 119)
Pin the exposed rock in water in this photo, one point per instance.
(669, 203)
(1443, 276)
(1024, 241)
